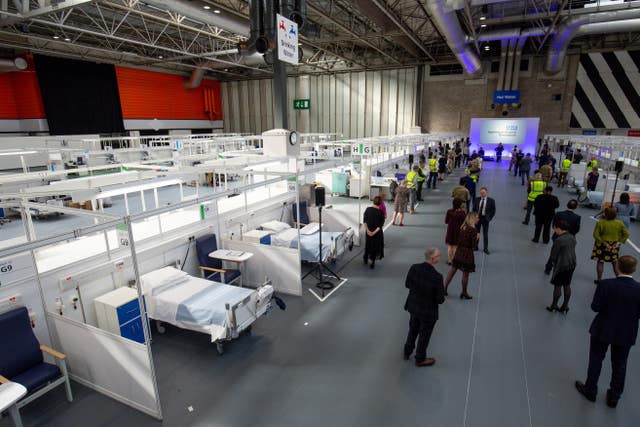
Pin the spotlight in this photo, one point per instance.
(67, 39)
(56, 37)
(483, 25)
(160, 56)
(487, 47)
(216, 11)
(207, 7)
(482, 18)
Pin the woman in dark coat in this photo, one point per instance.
(563, 257)
(374, 242)
(454, 220)
(463, 259)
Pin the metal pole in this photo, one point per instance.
(280, 117)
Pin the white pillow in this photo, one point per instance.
(160, 277)
(311, 228)
(275, 226)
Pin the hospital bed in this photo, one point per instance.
(201, 305)
(334, 243)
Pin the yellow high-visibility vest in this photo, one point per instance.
(411, 176)
(433, 165)
(537, 187)
(592, 164)
(566, 165)
(421, 178)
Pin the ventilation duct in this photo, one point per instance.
(195, 79)
(504, 47)
(615, 21)
(445, 19)
(17, 64)
(197, 13)
(256, 32)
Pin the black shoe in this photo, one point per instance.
(486, 251)
(534, 240)
(366, 260)
(547, 272)
(525, 222)
(612, 402)
(563, 310)
(373, 265)
(582, 389)
(405, 356)
(551, 308)
(463, 296)
(597, 281)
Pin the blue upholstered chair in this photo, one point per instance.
(211, 268)
(21, 358)
(304, 213)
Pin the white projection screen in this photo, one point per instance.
(488, 133)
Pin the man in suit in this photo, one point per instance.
(617, 302)
(545, 207)
(485, 207)
(573, 221)
(426, 292)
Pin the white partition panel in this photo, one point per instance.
(280, 265)
(337, 219)
(112, 365)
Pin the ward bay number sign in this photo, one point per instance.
(287, 40)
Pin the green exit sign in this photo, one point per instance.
(301, 104)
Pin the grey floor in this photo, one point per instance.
(502, 359)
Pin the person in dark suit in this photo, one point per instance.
(426, 292)
(544, 207)
(617, 302)
(485, 207)
(573, 222)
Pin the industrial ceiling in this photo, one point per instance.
(181, 36)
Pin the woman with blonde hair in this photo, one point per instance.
(609, 233)
(400, 204)
(454, 219)
(463, 259)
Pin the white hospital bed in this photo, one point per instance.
(334, 243)
(219, 310)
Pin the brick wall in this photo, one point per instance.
(449, 102)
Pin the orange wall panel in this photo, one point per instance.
(151, 95)
(20, 96)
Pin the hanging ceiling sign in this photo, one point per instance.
(287, 40)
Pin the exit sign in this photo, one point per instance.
(301, 104)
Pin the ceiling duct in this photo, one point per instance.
(195, 79)
(256, 33)
(616, 21)
(380, 19)
(445, 19)
(226, 22)
(17, 64)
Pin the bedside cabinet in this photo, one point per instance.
(118, 312)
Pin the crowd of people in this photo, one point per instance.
(616, 301)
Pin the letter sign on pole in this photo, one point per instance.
(287, 40)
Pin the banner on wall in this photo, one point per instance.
(633, 132)
(488, 133)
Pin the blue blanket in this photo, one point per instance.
(207, 307)
(310, 248)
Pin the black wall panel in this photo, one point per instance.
(79, 97)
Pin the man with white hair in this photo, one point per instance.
(426, 292)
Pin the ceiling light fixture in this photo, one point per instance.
(206, 6)
(160, 56)
(56, 37)
(482, 18)
(216, 11)
(483, 25)
(67, 39)
(487, 47)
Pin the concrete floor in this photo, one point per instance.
(502, 359)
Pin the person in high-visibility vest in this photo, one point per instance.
(536, 188)
(421, 178)
(565, 165)
(433, 172)
(593, 164)
(412, 185)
